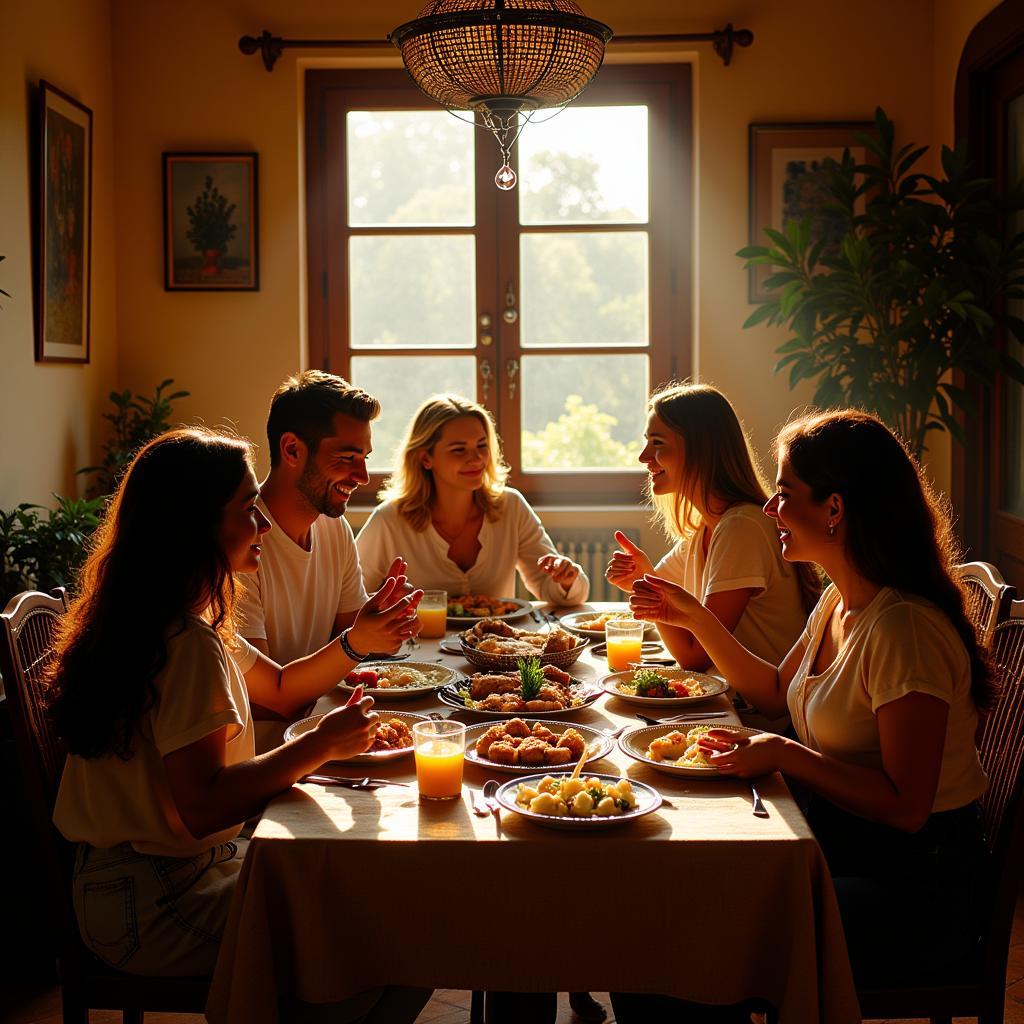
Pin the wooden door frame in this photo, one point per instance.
(992, 41)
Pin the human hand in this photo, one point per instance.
(387, 619)
(658, 600)
(399, 567)
(561, 569)
(347, 731)
(743, 756)
(627, 565)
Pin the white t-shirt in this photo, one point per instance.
(744, 552)
(104, 800)
(516, 539)
(292, 599)
(899, 644)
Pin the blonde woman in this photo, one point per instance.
(708, 496)
(459, 528)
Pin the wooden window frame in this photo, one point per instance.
(667, 90)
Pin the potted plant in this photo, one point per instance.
(210, 227)
(894, 291)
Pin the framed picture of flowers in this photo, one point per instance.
(210, 222)
(786, 173)
(65, 228)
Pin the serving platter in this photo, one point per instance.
(443, 676)
(588, 694)
(647, 797)
(713, 686)
(635, 742)
(304, 725)
(570, 621)
(599, 745)
(522, 608)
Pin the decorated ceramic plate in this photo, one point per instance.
(456, 695)
(599, 745)
(591, 624)
(402, 680)
(407, 718)
(700, 685)
(637, 743)
(466, 616)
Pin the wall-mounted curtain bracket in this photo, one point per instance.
(271, 47)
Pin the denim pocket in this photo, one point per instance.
(108, 918)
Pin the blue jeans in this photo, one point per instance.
(161, 916)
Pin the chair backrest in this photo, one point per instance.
(27, 627)
(1002, 756)
(986, 595)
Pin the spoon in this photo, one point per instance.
(484, 804)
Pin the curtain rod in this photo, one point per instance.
(271, 47)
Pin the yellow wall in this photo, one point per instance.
(50, 414)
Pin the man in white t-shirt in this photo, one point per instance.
(309, 585)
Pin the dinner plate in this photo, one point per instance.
(449, 694)
(712, 685)
(303, 725)
(444, 675)
(648, 799)
(523, 608)
(635, 742)
(569, 622)
(599, 743)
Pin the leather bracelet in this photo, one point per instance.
(350, 651)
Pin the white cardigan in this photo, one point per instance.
(516, 539)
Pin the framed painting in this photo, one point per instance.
(786, 175)
(210, 222)
(65, 228)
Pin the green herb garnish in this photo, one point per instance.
(648, 683)
(531, 677)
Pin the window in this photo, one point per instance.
(557, 305)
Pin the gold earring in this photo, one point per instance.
(831, 529)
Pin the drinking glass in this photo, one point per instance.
(432, 611)
(624, 641)
(439, 749)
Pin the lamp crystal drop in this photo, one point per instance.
(506, 178)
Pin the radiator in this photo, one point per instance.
(592, 549)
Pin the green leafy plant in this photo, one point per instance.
(210, 220)
(136, 419)
(45, 548)
(896, 285)
(531, 677)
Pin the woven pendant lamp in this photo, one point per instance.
(502, 59)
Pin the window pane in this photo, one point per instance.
(583, 412)
(1013, 393)
(584, 288)
(412, 290)
(401, 383)
(409, 167)
(585, 164)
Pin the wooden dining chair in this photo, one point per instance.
(987, 596)
(27, 628)
(977, 988)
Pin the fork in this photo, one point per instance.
(364, 783)
(681, 718)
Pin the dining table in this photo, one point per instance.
(344, 890)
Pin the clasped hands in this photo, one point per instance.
(388, 618)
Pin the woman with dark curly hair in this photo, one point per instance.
(884, 688)
(152, 691)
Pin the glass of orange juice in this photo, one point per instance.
(625, 642)
(439, 748)
(432, 611)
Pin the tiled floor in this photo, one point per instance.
(25, 999)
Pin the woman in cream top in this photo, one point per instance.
(447, 511)
(884, 688)
(152, 691)
(708, 495)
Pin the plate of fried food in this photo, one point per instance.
(673, 748)
(663, 687)
(400, 681)
(523, 745)
(583, 803)
(494, 644)
(392, 739)
(464, 609)
(531, 689)
(591, 624)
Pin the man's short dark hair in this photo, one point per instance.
(306, 404)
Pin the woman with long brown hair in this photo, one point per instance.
(151, 691)
(884, 687)
(707, 494)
